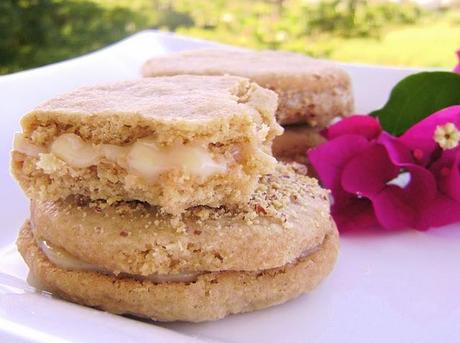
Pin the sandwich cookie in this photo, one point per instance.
(310, 91)
(174, 142)
(203, 264)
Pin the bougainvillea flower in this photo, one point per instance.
(362, 125)
(457, 67)
(367, 175)
(360, 181)
(420, 137)
(447, 172)
(347, 138)
(442, 159)
(441, 211)
(351, 213)
(397, 189)
(445, 209)
(377, 179)
(330, 158)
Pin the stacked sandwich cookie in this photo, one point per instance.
(311, 92)
(159, 198)
(175, 142)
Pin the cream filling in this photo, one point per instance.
(62, 259)
(21, 145)
(143, 158)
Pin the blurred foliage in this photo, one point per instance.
(295, 25)
(37, 32)
(357, 19)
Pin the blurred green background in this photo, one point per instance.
(38, 32)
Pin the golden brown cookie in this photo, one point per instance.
(310, 91)
(287, 216)
(211, 296)
(200, 265)
(175, 142)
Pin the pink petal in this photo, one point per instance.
(395, 206)
(361, 125)
(447, 171)
(400, 207)
(398, 152)
(441, 211)
(368, 172)
(392, 208)
(354, 214)
(422, 187)
(328, 159)
(420, 136)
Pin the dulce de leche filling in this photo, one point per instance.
(62, 259)
(143, 158)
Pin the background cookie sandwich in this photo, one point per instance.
(310, 91)
(294, 143)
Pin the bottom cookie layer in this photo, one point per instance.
(213, 296)
(293, 144)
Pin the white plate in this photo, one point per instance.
(387, 287)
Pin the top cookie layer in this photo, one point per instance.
(190, 107)
(174, 142)
(311, 91)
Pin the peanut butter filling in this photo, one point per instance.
(143, 158)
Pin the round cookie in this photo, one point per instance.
(287, 216)
(212, 296)
(310, 91)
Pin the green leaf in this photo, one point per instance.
(416, 97)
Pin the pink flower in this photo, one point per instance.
(457, 67)
(419, 137)
(445, 209)
(443, 164)
(377, 179)
(347, 139)
(360, 125)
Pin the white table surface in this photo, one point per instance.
(387, 286)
